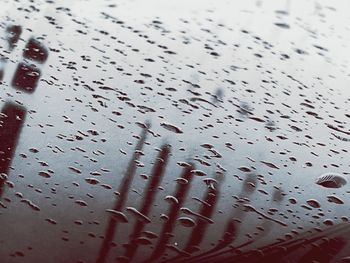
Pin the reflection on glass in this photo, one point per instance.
(27, 75)
(11, 122)
(120, 203)
(149, 196)
(35, 51)
(174, 210)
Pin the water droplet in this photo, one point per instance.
(331, 180)
(187, 222)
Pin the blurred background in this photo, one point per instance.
(174, 131)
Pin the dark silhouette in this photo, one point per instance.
(231, 231)
(1, 69)
(149, 195)
(174, 210)
(11, 122)
(208, 207)
(35, 51)
(277, 197)
(211, 198)
(27, 75)
(120, 203)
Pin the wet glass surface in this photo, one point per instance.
(174, 131)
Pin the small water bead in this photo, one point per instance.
(198, 173)
(313, 203)
(187, 222)
(334, 199)
(138, 215)
(92, 181)
(171, 127)
(117, 215)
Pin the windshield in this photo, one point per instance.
(174, 131)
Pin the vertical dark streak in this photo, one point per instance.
(278, 198)
(27, 75)
(1, 71)
(231, 230)
(174, 209)
(198, 232)
(123, 190)
(11, 122)
(268, 225)
(149, 195)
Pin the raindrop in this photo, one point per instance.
(331, 180)
(117, 215)
(92, 181)
(171, 127)
(187, 222)
(138, 214)
(313, 203)
(334, 199)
